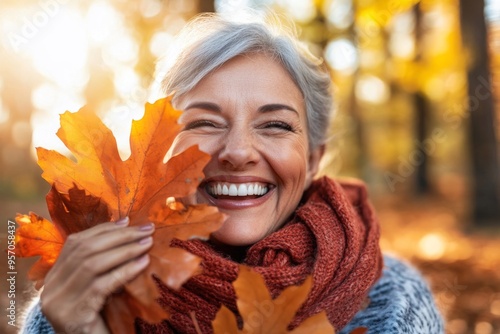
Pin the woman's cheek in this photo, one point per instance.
(185, 140)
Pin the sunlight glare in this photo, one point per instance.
(45, 120)
(402, 41)
(45, 126)
(60, 54)
(44, 96)
(159, 43)
(342, 56)
(300, 10)
(492, 10)
(150, 8)
(126, 81)
(340, 13)
(122, 50)
(4, 112)
(402, 46)
(119, 120)
(372, 89)
(102, 21)
(432, 246)
(231, 6)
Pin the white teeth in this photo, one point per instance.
(241, 189)
(233, 191)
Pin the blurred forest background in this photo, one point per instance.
(417, 98)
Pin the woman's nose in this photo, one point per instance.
(238, 149)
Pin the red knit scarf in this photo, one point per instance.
(333, 236)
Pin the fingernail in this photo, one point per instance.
(143, 259)
(145, 241)
(146, 227)
(122, 222)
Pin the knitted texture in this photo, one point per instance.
(400, 302)
(36, 323)
(333, 237)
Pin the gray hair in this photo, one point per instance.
(210, 41)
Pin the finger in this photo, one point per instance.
(104, 262)
(73, 239)
(124, 236)
(80, 246)
(123, 274)
(104, 227)
(88, 258)
(88, 286)
(95, 296)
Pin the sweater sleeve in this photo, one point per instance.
(400, 302)
(36, 323)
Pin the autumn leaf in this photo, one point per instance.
(98, 186)
(262, 314)
(82, 210)
(131, 187)
(36, 236)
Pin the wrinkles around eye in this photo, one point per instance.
(200, 124)
(279, 125)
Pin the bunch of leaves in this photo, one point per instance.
(98, 186)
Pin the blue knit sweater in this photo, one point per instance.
(400, 302)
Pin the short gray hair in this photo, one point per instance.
(210, 41)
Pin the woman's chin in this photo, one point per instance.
(231, 237)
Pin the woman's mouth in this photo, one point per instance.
(237, 191)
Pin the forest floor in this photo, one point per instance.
(462, 268)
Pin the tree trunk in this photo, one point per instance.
(422, 115)
(421, 119)
(483, 141)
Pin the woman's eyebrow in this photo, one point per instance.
(204, 105)
(263, 109)
(276, 107)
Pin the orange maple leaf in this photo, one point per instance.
(36, 236)
(99, 186)
(130, 187)
(262, 314)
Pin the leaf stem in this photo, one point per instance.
(195, 322)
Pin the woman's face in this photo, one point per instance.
(250, 117)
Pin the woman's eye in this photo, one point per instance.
(278, 125)
(199, 124)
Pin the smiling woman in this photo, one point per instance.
(259, 104)
(255, 128)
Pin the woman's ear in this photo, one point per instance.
(314, 159)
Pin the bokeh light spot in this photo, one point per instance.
(372, 89)
(432, 246)
(342, 56)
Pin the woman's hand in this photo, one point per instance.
(92, 265)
